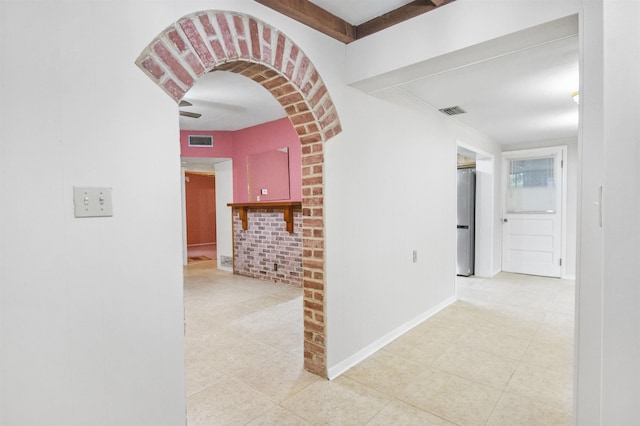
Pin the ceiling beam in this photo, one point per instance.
(315, 17)
(396, 16)
(327, 23)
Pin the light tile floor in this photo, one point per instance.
(501, 355)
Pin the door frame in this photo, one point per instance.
(485, 235)
(532, 152)
(199, 165)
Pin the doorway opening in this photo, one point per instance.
(200, 214)
(228, 41)
(482, 163)
(466, 210)
(220, 170)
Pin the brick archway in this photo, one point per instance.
(221, 40)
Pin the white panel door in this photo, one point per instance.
(532, 234)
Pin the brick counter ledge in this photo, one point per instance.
(267, 241)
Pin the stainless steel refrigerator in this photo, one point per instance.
(466, 216)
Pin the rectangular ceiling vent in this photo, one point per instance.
(454, 110)
(197, 140)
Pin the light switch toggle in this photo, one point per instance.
(92, 201)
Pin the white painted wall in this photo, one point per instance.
(608, 332)
(224, 195)
(488, 226)
(621, 214)
(91, 308)
(2, 13)
(390, 189)
(589, 271)
(621, 201)
(571, 163)
(484, 217)
(382, 203)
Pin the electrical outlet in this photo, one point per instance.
(415, 256)
(275, 266)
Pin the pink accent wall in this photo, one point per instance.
(269, 171)
(261, 138)
(239, 145)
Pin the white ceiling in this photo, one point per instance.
(517, 97)
(357, 12)
(229, 101)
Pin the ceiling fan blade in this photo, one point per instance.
(184, 103)
(190, 114)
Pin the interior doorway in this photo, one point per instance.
(220, 168)
(466, 209)
(200, 211)
(484, 229)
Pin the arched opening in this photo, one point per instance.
(222, 40)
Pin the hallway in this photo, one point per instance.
(501, 355)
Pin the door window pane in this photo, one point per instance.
(531, 186)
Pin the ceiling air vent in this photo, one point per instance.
(454, 110)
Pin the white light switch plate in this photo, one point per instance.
(92, 202)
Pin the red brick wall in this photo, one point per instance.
(267, 242)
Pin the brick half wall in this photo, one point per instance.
(266, 243)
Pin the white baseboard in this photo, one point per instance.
(361, 355)
(568, 277)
